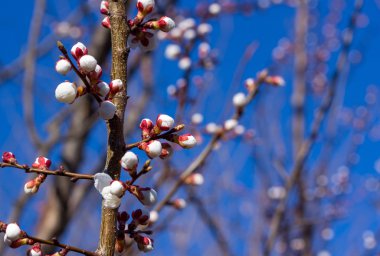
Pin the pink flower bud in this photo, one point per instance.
(35, 250)
(122, 218)
(63, 66)
(145, 244)
(187, 141)
(117, 188)
(275, 80)
(149, 196)
(146, 126)
(195, 179)
(102, 88)
(106, 22)
(9, 158)
(164, 122)
(104, 7)
(31, 187)
(13, 232)
(42, 163)
(166, 151)
(239, 100)
(129, 161)
(116, 86)
(107, 110)
(166, 24)
(153, 148)
(141, 217)
(179, 203)
(66, 92)
(87, 63)
(96, 74)
(78, 50)
(145, 6)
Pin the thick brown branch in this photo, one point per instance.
(115, 126)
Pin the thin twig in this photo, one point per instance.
(59, 172)
(161, 136)
(200, 160)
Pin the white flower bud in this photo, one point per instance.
(203, 29)
(187, 141)
(214, 8)
(212, 128)
(197, 118)
(153, 216)
(150, 196)
(13, 232)
(186, 24)
(189, 34)
(88, 63)
(117, 188)
(129, 161)
(110, 200)
(102, 180)
(107, 110)
(78, 50)
(230, 124)
(66, 92)
(63, 66)
(239, 100)
(239, 130)
(153, 149)
(102, 88)
(184, 63)
(164, 122)
(172, 51)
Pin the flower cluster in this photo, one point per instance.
(15, 237)
(154, 148)
(134, 230)
(90, 72)
(142, 33)
(32, 186)
(113, 190)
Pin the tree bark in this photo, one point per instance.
(119, 34)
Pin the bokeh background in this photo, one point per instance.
(332, 210)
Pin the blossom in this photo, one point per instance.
(187, 141)
(78, 50)
(239, 100)
(107, 110)
(102, 88)
(42, 163)
(129, 161)
(88, 63)
(102, 183)
(164, 122)
(66, 92)
(13, 232)
(9, 157)
(63, 66)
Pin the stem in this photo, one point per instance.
(64, 246)
(116, 145)
(59, 172)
